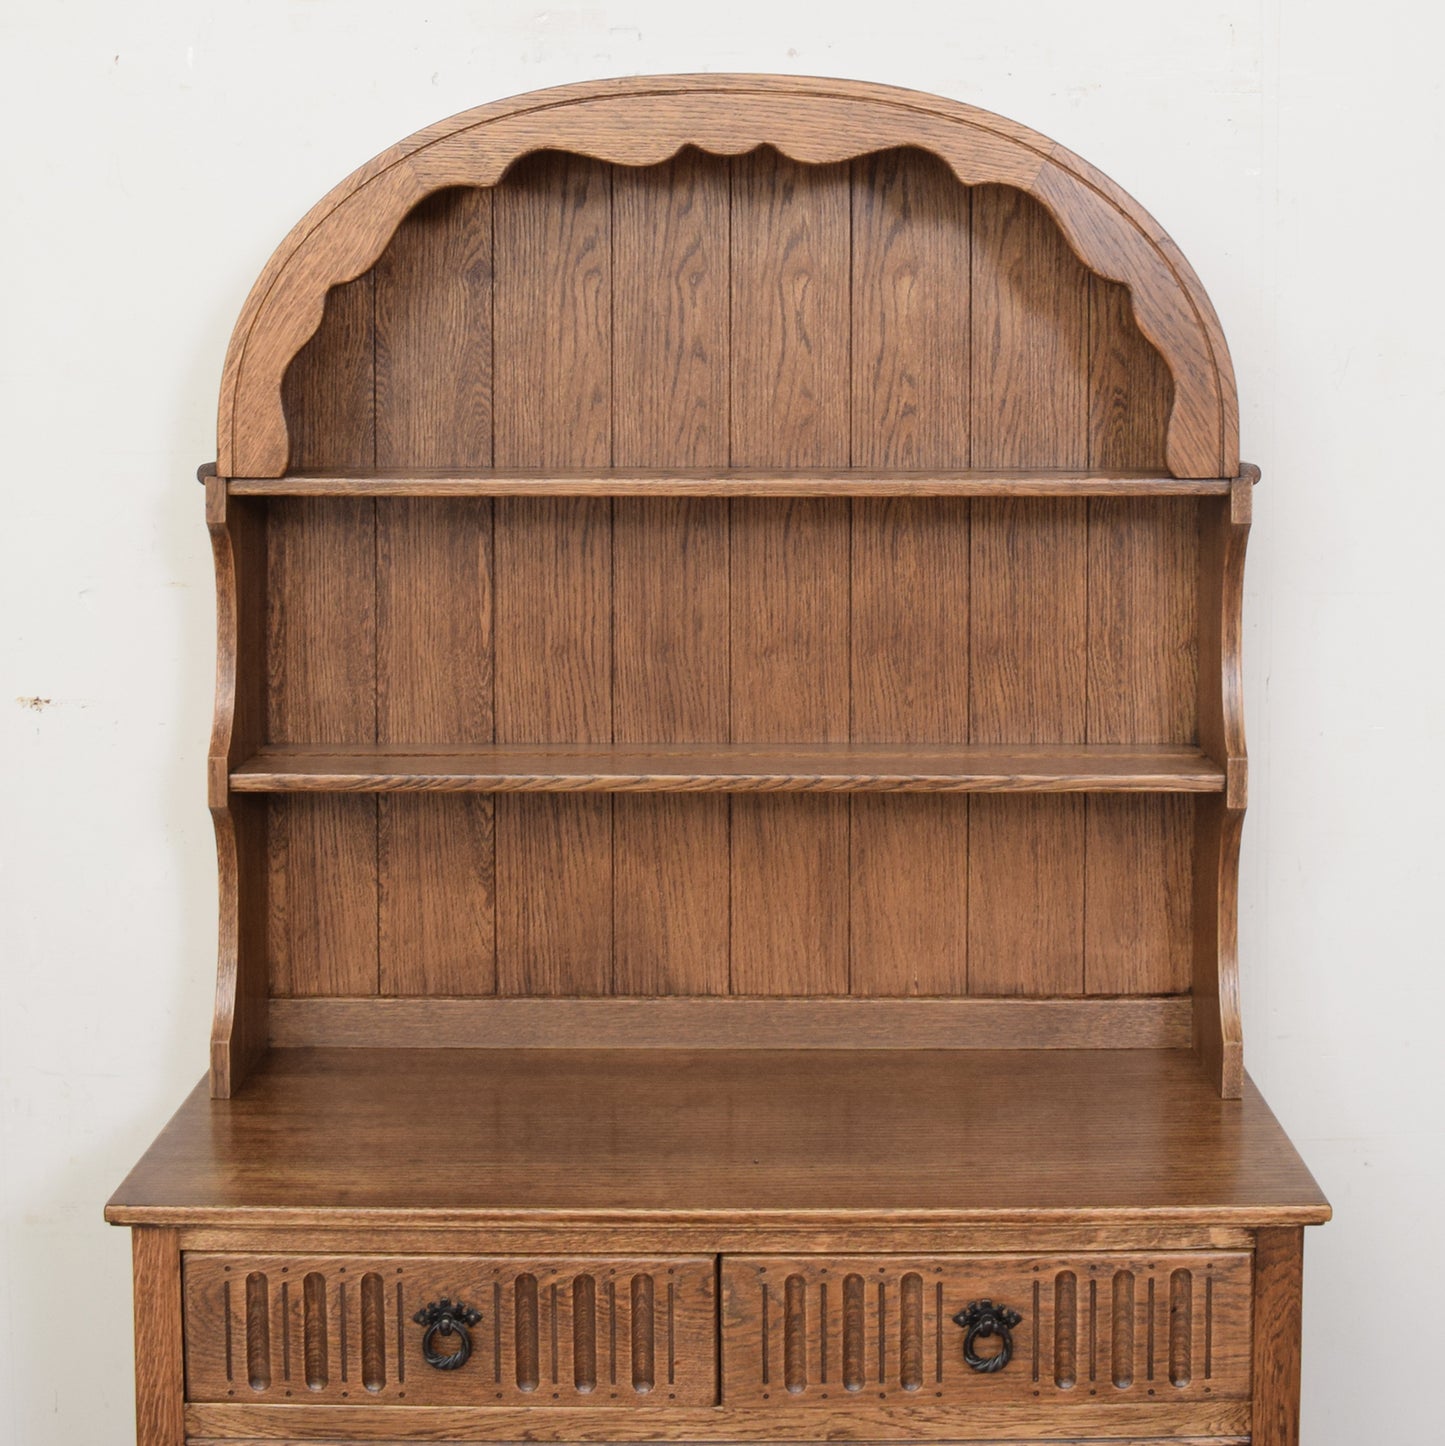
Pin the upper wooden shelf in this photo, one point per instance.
(729, 768)
(728, 482)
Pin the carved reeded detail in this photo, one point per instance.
(444, 1320)
(646, 121)
(982, 1320)
(1113, 1327)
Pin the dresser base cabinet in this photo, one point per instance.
(728, 777)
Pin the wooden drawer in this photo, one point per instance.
(339, 1328)
(1091, 1329)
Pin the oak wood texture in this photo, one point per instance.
(833, 1332)
(732, 1023)
(647, 121)
(728, 765)
(741, 768)
(904, 481)
(1221, 1423)
(694, 320)
(159, 1343)
(1278, 1286)
(603, 1331)
(575, 1136)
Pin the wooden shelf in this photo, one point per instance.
(729, 768)
(728, 482)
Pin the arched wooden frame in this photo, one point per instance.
(644, 121)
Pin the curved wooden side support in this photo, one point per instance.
(1218, 1034)
(238, 1030)
(645, 121)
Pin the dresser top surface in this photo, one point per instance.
(353, 1137)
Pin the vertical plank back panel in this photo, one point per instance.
(909, 567)
(434, 591)
(1028, 599)
(1143, 669)
(750, 312)
(670, 566)
(321, 664)
(790, 369)
(553, 561)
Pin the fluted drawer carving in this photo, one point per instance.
(326, 1329)
(1144, 1328)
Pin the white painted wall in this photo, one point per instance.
(157, 149)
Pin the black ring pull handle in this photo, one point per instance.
(980, 1320)
(446, 1318)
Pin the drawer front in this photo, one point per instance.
(588, 1331)
(1089, 1329)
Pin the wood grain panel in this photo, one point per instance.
(910, 621)
(1130, 389)
(909, 864)
(790, 312)
(1030, 343)
(1143, 568)
(790, 895)
(790, 408)
(553, 280)
(321, 656)
(671, 916)
(322, 895)
(1028, 614)
(910, 333)
(553, 408)
(329, 386)
(1138, 916)
(670, 565)
(1026, 895)
(790, 680)
(909, 903)
(1028, 633)
(434, 591)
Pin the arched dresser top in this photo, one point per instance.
(645, 120)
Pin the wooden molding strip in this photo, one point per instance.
(687, 1023)
(1217, 1423)
(725, 483)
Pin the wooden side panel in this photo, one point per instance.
(434, 592)
(553, 559)
(321, 652)
(159, 1341)
(1278, 1301)
(789, 605)
(670, 566)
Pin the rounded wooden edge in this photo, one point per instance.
(810, 119)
